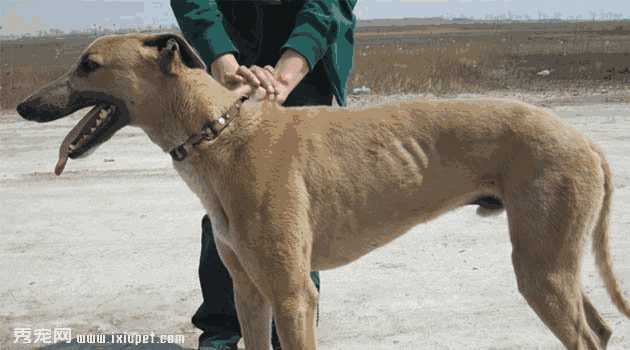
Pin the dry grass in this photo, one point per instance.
(388, 68)
(481, 57)
(438, 59)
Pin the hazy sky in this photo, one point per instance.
(20, 16)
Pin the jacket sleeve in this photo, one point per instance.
(316, 27)
(202, 24)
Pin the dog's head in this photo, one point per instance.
(117, 76)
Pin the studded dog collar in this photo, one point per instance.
(209, 131)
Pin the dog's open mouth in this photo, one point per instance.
(96, 127)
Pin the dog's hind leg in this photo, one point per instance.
(254, 311)
(548, 223)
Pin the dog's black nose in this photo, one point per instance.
(25, 110)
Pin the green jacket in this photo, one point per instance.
(324, 30)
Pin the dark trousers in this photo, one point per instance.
(216, 316)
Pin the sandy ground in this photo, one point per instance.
(112, 246)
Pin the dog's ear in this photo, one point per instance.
(170, 46)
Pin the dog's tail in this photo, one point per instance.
(600, 242)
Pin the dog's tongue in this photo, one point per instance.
(75, 133)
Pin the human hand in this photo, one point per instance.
(255, 81)
(275, 84)
(289, 72)
(262, 80)
(223, 70)
(262, 83)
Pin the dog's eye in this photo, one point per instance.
(88, 66)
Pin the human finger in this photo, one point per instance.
(249, 76)
(267, 81)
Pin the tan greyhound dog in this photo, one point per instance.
(290, 190)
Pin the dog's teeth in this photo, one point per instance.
(72, 147)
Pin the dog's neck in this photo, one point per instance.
(196, 100)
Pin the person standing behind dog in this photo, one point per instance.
(300, 52)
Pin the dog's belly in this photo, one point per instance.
(330, 253)
(348, 236)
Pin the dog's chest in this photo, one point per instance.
(197, 182)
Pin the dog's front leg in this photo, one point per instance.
(294, 311)
(277, 260)
(283, 270)
(254, 312)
